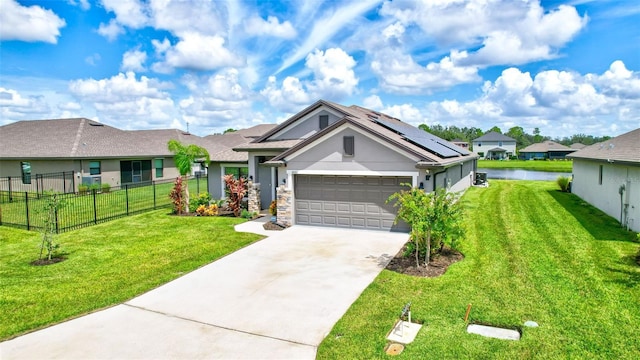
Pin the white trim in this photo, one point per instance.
(346, 126)
(291, 176)
(306, 117)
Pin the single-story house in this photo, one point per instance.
(227, 161)
(333, 165)
(577, 146)
(86, 151)
(607, 175)
(494, 146)
(546, 150)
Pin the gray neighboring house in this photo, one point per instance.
(494, 146)
(545, 150)
(93, 152)
(333, 165)
(227, 161)
(607, 175)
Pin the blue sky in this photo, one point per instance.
(565, 67)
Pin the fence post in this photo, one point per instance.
(10, 193)
(153, 184)
(26, 206)
(95, 207)
(126, 193)
(197, 183)
(57, 226)
(64, 186)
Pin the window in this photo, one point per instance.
(324, 121)
(26, 172)
(158, 164)
(600, 175)
(237, 172)
(94, 168)
(499, 144)
(349, 145)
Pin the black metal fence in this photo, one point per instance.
(61, 182)
(27, 210)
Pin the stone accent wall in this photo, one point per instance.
(253, 197)
(284, 205)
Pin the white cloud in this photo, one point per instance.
(71, 105)
(93, 59)
(110, 30)
(506, 32)
(14, 106)
(400, 73)
(271, 27)
(83, 4)
(28, 23)
(124, 99)
(199, 52)
(333, 79)
(179, 17)
(130, 13)
(406, 112)
(372, 102)
(133, 60)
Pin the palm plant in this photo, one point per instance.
(184, 156)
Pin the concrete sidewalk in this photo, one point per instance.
(277, 298)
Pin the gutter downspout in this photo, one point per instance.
(435, 178)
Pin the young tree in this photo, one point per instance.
(434, 218)
(184, 157)
(52, 204)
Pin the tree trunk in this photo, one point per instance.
(185, 180)
(428, 255)
(417, 251)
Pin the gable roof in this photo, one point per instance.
(546, 146)
(493, 136)
(624, 148)
(226, 142)
(385, 127)
(80, 138)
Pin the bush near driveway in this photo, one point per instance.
(531, 253)
(106, 264)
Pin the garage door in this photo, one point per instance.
(347, 201)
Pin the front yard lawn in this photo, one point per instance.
(106, 264)
(532, 253)
(536, 165)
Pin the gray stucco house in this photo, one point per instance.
(546, 150)
(494, 146)
(607, 175)
(333, 165)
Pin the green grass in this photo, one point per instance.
(538, 165)
(531, 253)
(106, 264)
(80, 210)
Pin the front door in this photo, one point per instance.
(266, 185)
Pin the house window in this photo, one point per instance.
(324, 121)
(237, 172)
(26, 172)
(500, 143)
(600, 175)
(94, 168)
(349, 145)
(158, 164)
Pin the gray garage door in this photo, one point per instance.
(347, 201)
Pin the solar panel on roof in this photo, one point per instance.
(422, 138)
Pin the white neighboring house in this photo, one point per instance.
(607, 175)
(494, 146)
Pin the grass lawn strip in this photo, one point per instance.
(106, 264)
(531, 253)
(537, 165)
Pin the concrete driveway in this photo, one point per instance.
(277, 298)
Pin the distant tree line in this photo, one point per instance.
(523, 139)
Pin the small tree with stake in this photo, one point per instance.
(435, 218)
(52, 204)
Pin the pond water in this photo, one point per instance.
(519, 174)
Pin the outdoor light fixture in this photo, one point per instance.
(251, 177)
(284, 181)
(421, 186)
(427, 177)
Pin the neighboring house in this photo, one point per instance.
(607, 175)
(332, 165)
(494, 146)
(546, 150)
(577, 146)
(462, 143)
(226, 161)
(93, 152)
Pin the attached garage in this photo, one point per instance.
(347, 201)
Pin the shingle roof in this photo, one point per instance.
(623, 148)
(493, 136)
(365, 119)
(84, 138)
(546, 146)
(577, 146)
(226, 142)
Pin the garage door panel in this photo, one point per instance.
(346, 201)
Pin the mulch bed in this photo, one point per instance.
(43, 262)
(273, 226)
(437, 266)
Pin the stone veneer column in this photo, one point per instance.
(253, 197)
(284, 205)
